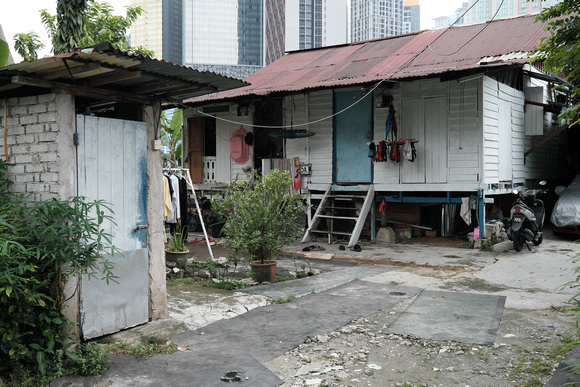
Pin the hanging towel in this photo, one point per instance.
(407, 150)
(465, 211)
(167, 212)
(174, 199)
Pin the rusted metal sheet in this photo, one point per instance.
(422, 54)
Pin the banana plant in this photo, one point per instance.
(171, 123)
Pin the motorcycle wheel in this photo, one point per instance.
(538, 241)
(518, 242)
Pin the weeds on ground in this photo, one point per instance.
(541, 364)
(283, 300)
(146, 350)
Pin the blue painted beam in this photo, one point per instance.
(481, 213)
(425, 200)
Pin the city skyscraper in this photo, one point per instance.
(159, 28)
(486, 9)
(315, 23)
(411, 16)
(372, 19)
(275, 30)
(457, 18)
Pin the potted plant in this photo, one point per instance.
(176, 248)
(260, 217)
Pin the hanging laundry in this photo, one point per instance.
(465, 210)
(372, 151)
(409, 150)
(174, 199)
(183, 204)
(394, 154)
(167, 212)
(393, 120)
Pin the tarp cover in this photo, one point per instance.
(567, 209)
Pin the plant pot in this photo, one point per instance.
(264, 272)
(216, 229)
(173, 256)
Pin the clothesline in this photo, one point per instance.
(188, 181)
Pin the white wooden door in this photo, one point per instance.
(425, 119)
(112, 166)
(436, 140)
(413, 126)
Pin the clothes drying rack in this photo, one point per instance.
(185, 171)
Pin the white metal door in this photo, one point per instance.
(112, 166)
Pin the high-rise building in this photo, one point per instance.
(159, 28)
(458, 18)
(274, 30)
(372, 19)
(238, 37)
(411, 16)
(315, 23)
(488, 9)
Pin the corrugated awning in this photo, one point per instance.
(105, 73)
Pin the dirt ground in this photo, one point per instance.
(526, 352)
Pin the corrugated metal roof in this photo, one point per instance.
(422, 54)
(103, 68)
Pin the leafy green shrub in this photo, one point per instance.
(42, 245)
(261, 214)
(92, 360)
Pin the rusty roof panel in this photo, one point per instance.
(422, 54)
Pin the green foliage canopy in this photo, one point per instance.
(26, 45)
(261, 214)
(4, 53)
(561, 50)
(42, 246)
(171, 134)
(98, 25)
(69, 25)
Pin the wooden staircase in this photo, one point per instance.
(334, 204)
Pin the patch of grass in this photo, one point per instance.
(282, 278)
(532, 366)
(534, 382)
(227, 285)
(185, 280)
(395, 282)
(283, 300)
(147, 350)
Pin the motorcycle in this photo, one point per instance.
(527, 218)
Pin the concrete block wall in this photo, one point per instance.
(39, 136)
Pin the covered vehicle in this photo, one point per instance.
(566, 214)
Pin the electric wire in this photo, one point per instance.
(473, 37)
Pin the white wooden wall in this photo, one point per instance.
(503, 134)
(315, 150)
(465, 139)
(482, 145)
(543, 162)
(226, 124)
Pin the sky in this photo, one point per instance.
(18, 16)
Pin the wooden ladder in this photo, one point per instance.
(333, 203)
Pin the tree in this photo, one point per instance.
(99, 25)
(27, 44)
(171, 134)
(4, 53)
(561, 50)
(69, 25)
(4, 49)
